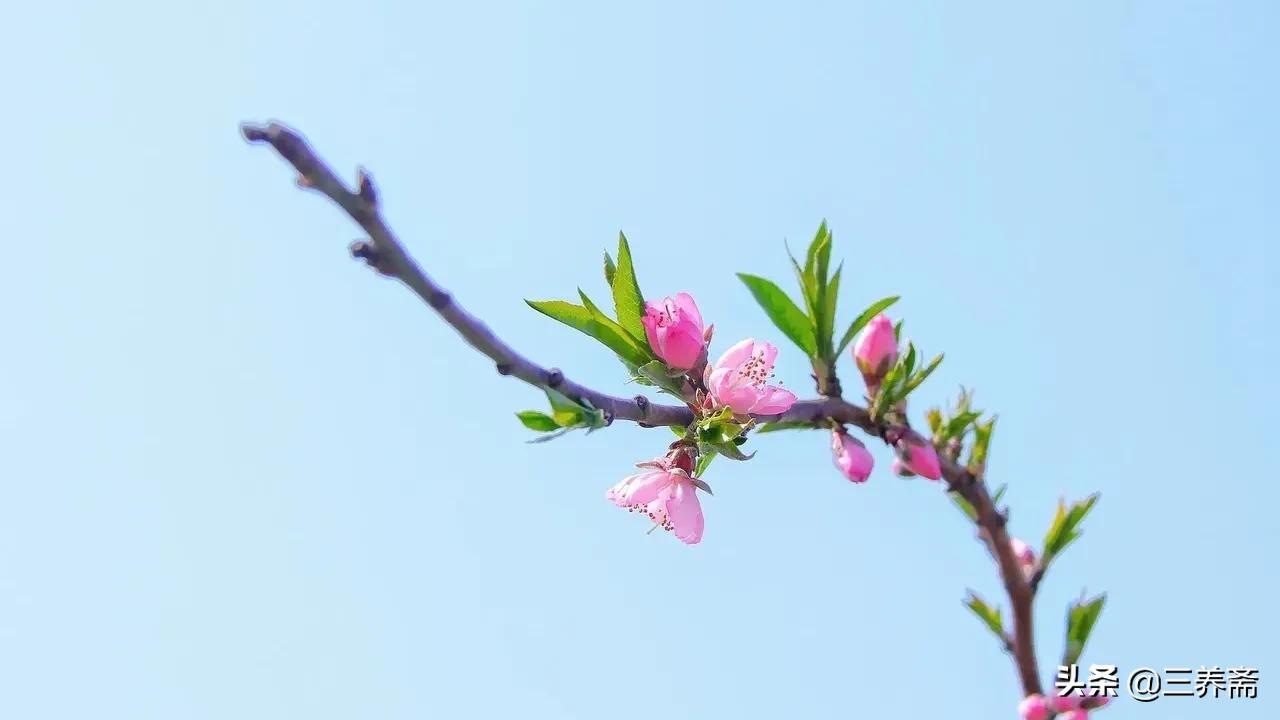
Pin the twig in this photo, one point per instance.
(385, 254)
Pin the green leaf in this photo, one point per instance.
(776, 426)
(704, 461)
(999, 493)
(727, 449)
(535, 420)
(818, 259)
(614, 336)
(627, 299)
(1065, 527)
(575, 316)
(965, 506)
(988, 615)
(960, 423)
(923, 375)
(806, 289)
(656, 372)
(827, 317)
(609, 269)
(981, 441)
(782, 311)
(1082, 616)
(861, 321)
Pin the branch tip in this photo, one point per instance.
(555, 377)
(367, 191)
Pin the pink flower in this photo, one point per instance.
(918, 455)
(674, 329)
(737, 380)
(1026, 557)
(876, 350)
(666, 494)
(1033, 707)
(851, 456)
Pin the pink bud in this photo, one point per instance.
(1026, 556)
(876, 350)
(674, 329)
(1033, 707)
(918, 455)
(851, 456)
(1074, 715)
(897, 468)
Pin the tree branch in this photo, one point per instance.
(385, 254)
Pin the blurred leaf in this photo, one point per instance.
(934, 419)
(1082, 616)
(989, 616)
(535, 420)
(609, 269)
(981, 441)
(1065, 527)
(627, 299)
(957, 426)
(861, 321)
(782, 311)
(897, 331)
(999, 493)
(923, 375)
(965, 506)
(776, 426)
(818, 259)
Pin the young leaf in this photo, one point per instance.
(965, 506)
(727, 449)
(782, 311)
(776, 426)
(988, 615)
(614, 336)
(655, 372)
(1064, 529)
(818, 259)
(627, 299)
(981, 441)
(1082, 615)
(704, 461)
(999, 493)
(861, 321)
(827, 315)
(575, 316)
(807, 290)
(535, 420)
(609, 269)
(923, 375)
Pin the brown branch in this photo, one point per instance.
(385, 254)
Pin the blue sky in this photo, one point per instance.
(241, 476)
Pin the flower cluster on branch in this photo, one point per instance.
(663, 344)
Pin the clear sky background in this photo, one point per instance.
(243, 477)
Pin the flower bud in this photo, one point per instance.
(674, 330)
(875, 351)
(918, 456)
(1033, 707)
(851, 457)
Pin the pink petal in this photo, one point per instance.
(647, 487)
(736, 355)
(684, 301)
(682, 347)
(774, 399)
(685, 513)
